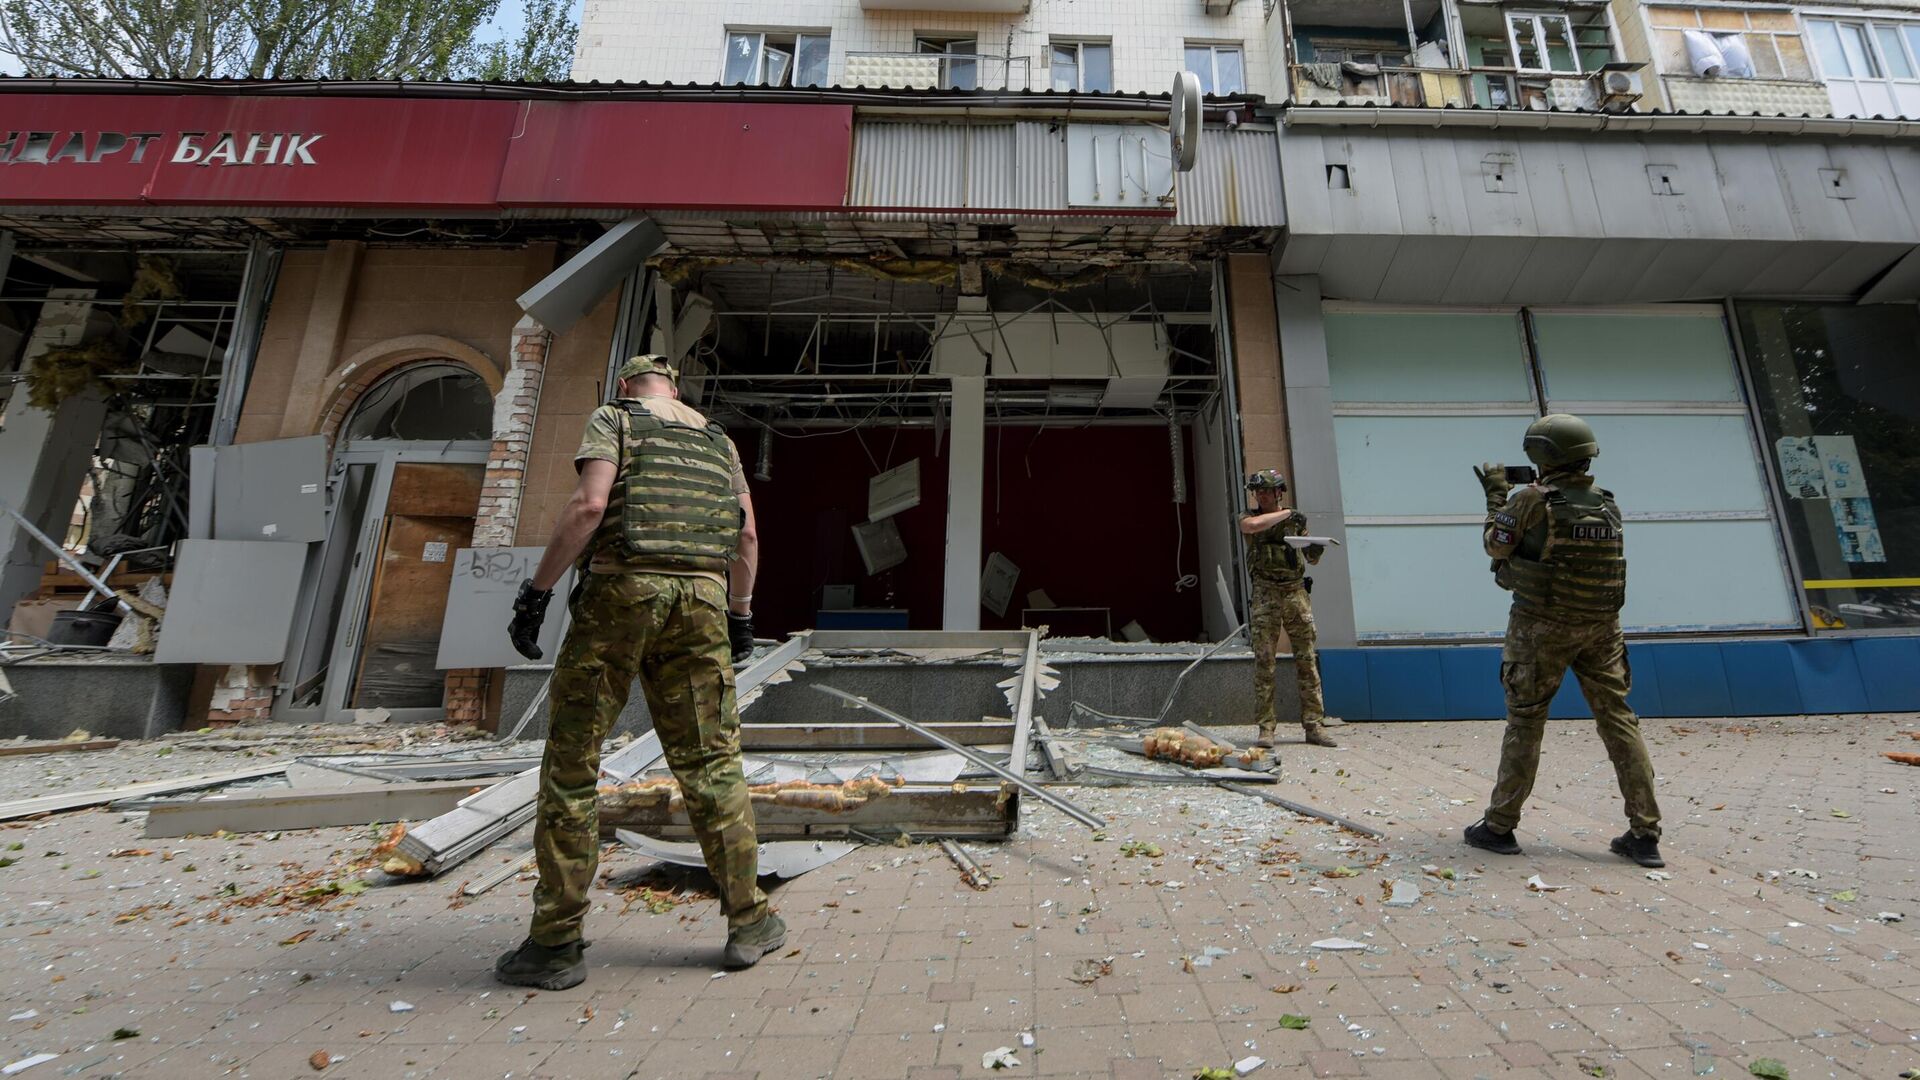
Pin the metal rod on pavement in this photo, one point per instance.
(1022, 783)
(60, 553)
(1309, 811)
(971, 872)
(1173, 693)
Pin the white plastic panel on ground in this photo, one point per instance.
(1706, 575)
(1421, 356)
(1422, 580)
(1670, 358)
(1420, 465)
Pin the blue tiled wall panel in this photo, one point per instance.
(1716, 678)
(1890, 671)
(1404, 684)
(1760, 678)
(1343, 676)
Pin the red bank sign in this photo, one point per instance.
(419, 154)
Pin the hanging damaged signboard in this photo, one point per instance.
(996, 583)
(880, 545)
(895, 490)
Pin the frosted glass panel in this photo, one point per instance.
(1422, 579)
(1636, 358)
(1675, 463)
(1705, 574)
(1404, 357)
(1419, 465)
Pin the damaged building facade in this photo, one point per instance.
(994, 355)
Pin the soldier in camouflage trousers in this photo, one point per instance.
(658, 514)
(1557, 546)
(1281, 604)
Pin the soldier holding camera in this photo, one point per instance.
(1557, 546)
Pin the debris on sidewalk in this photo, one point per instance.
(971, 872)
(1904, 759)
(1537, 884)
(1000, 1058)
(1339, 944)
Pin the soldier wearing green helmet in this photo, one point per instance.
(1281, 605)
(1557, 545)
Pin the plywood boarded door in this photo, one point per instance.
(429, 516)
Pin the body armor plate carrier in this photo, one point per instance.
(680, 510)
(1575, 561)
(1272, 559)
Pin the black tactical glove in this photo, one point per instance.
(529, 611)
(740, 635)
(1314, 551)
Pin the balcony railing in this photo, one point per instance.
(939, 71)
(1497, 88)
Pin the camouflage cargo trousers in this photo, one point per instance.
(1278, 609)
(671, 633)
(1534, 661)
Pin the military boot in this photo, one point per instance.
(748, 944)
(1265, 739)
(1487, 838)
(1317, 735)
(549, 967)
(1332, 721)
(1644, 850)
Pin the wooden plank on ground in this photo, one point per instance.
(258, 811)
(803, 736)
(49, 804)
(24, 749)
(922, 810)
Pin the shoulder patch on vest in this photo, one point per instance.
(1501, 517)
(1595, 532)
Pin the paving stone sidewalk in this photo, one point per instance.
(242, 955)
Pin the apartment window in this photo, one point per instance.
(1082, 65)
(1870, 68)
(1542, 42)
(775, 58)
(1772, 39)
(1222, 68)
(960, 71)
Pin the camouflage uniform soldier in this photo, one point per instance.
(1281, 603)
(1557, 546)
(659, 511)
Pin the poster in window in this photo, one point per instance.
(1840, 459)
(1801, 472)
(1859, 532)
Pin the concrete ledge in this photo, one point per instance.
(112, 695)
(1220, 691)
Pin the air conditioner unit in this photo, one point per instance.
(1618, 86)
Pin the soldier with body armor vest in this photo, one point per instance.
(660, 511)
(1557, 546)
(1281, 604)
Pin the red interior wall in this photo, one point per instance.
(1086, 514)
(806, 514)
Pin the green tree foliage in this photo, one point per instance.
(285, 39)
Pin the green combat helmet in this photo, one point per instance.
(1558, 440)
(1267, 479)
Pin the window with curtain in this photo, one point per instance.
(1085, 66)
(1222, 68)
(775, 58)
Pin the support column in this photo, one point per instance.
(1308, 412)
(320, 344)
(966, 497)
(44, 456)
(469, 690)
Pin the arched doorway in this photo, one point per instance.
(409, 458)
